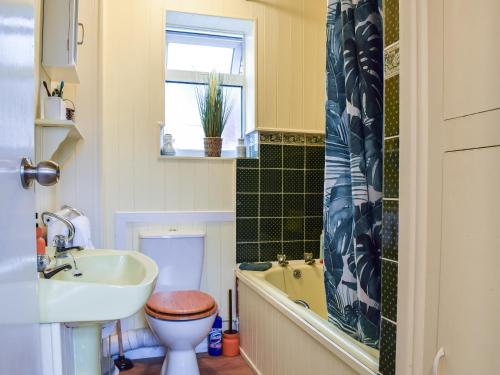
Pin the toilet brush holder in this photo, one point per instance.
(230, 343)
(230, 337)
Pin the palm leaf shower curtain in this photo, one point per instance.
(353, 167)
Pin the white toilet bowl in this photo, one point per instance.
(181, 320)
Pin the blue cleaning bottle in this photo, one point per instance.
(215, 338)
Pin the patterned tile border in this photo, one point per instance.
(391, 60)
(284, 138)
(270, 137)
(294, 138)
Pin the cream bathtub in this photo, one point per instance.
(279, 336)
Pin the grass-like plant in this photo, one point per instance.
(213, 105)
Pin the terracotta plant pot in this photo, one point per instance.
(213, 146)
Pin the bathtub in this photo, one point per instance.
(281, 336)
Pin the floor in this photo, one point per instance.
(208, 366)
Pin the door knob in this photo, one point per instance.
(46, 173)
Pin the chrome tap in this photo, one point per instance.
(69, 224)
(61, 250)
(282, 260)
(309, 258)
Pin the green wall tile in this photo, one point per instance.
(247, 205)
(391, 168)
(293, 205)
(293, 250)
(247, 180)
(270, 229)
(247, 230)
(247, 163)
(315, 157)
(387, 361)
(247, 252)
(271, 156)
(314, 226)
(315, 181)
(293, 181)
(269, 250)
(390, 229)
(271, 205)
(391, 21)
(391, 109)
(293, 229)
(312, 247)
(389, 289)
(293, 157)
(314, 204)
(271, 180)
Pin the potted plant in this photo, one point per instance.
(214, 109)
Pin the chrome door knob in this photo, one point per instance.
(46, 173)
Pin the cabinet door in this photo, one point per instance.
(469, 293)
(471, 56)
(60, 34)
(56, 32)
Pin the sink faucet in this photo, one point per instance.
(61, 250)
(309, 258)
(51, 272)
(69, 224)
(61, 241)
(282, 260)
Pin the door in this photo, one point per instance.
(19, 331)
(464, 184)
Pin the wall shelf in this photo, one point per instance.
(55, 139)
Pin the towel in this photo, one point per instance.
(82, 232)
(255, 266)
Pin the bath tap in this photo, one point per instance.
(51, 272)
(282, 260)
(309, 258)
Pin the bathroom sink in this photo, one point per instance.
(114, 284)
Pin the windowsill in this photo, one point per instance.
(194, 157)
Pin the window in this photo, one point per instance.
(194, 48)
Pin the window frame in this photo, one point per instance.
(219, 38)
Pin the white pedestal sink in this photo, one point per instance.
(114, 285)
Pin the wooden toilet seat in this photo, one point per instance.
(180, 305)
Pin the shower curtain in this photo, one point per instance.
(353, 167)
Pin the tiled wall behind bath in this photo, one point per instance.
(391, 189)
(279, 197)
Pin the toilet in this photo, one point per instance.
(178, 312)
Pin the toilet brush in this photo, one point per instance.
(121, 362)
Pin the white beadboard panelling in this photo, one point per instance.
(275, 345)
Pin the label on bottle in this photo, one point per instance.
(215, 341)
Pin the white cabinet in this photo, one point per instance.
(60, 39)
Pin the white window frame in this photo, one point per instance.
(210, 25)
